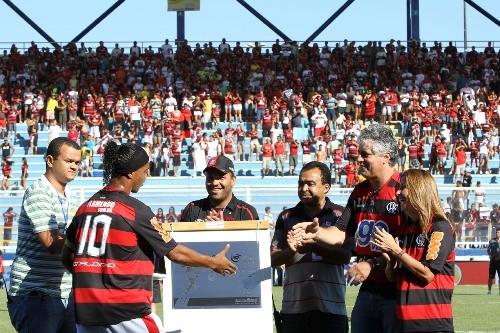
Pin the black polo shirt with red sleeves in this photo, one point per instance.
(236, 210)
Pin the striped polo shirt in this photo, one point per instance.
(34, 268)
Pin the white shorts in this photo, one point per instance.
(386, 110)
(148, 139)
(266, 163)
(459, 169)
(137, 325)
(426, 128)
(306, 158)
(49, 115)
(207, 117)
(237, 107)
(197, 113)
(94, 131)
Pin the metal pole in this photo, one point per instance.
(98, 20)
(482, 11)
(465, 28)
(263, 20)
(408, 21)
(181, 27)
(31, 23)
(330, 20)
(415, 19)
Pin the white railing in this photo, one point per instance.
(259, 196)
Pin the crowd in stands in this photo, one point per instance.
(286, 98)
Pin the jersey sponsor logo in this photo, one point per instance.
(434, 245)
(163, 233)
(365, 231)
(420, 240)
(392, 208)
(94, 264)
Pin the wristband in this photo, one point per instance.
(400, 254)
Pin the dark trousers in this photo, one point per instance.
(314, 322)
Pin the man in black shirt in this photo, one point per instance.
(494, 254)
(221, 204)
(316, 303)
(7, 149)
(467, 182)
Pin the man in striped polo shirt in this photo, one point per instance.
(40, 287)
(314, 286)
(372, 203)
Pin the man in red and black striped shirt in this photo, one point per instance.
(111, 247)
(372, 204)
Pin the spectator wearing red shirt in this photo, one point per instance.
(293, 157)
(306, 151)
(24, 172)
(176, 153)
(460, 159)
(11, 123)
(240, 142)
(7, 173)
(421, 151)
(95, 122)
(267, 155)
(370, 101)
(350, 170)
(413, 155)
(352, 148)
(266, 123)
(253, 133)
(8, 221)
(442, 153)
(279, 156)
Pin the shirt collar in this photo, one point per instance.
(299, 209)
(231, 205)
(45, 181)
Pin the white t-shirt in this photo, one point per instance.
(479, 195)
(54, 132)
(213, 148)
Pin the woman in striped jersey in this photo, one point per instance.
(422, 260)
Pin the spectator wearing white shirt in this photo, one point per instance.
(479, 195)
(54, 130)
(166, 48)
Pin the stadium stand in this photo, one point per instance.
(178, 98)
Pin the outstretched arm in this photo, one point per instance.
(219, 263)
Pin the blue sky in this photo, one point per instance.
(149, 21)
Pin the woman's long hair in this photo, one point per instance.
(424, 197)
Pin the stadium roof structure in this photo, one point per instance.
(412, 20)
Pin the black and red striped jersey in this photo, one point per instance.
(425, 307)
(115, 239)
(236, 210)
(367, 209)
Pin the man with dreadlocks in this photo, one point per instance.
(111, 247)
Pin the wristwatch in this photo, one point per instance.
(374, 263)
